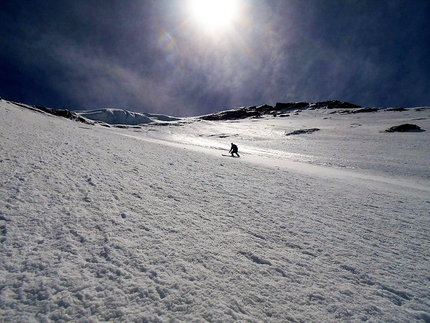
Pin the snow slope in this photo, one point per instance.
(153, 225)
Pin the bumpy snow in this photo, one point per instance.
(154, 225)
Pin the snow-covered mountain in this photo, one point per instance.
(122, 117)
(323, 218)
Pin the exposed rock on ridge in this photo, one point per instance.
(279, 109)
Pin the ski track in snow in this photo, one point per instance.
(98, 225)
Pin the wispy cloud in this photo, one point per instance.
(147, 55)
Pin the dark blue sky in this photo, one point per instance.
(153, 56)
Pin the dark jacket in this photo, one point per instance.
(233, 148)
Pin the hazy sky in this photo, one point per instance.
(160, 56)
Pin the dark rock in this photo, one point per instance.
(56, 112)
(302, 131)
(365, 110)
(264, 109)
(292, 106)
(239, 113)
(355, 110)
(405, 128)
(422, 108)
(335, 104)
(280, 109)
(256, 112)
(64, 113)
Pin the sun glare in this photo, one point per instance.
(214, 14)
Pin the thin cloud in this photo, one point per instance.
(147, 55)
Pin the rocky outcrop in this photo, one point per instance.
(280, 109)
(354, 111)
(56, 112)
(334, 104)
(407, 127)
(288, 107)
(302, 131)
(239, 113)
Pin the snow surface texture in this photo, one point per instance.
(153, 225)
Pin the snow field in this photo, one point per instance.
(99, 227)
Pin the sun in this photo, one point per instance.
(214, 14)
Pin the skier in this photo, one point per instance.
(233, 150)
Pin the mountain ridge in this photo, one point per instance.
(119, 117)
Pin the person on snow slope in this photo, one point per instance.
(233, 150)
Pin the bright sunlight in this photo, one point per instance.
(214, 14)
